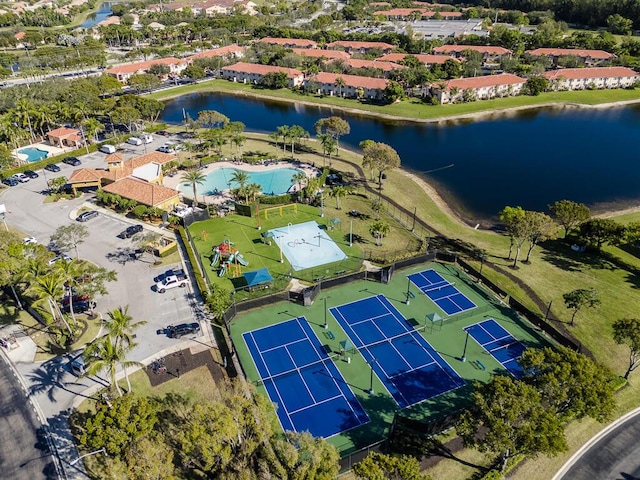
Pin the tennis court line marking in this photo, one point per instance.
(266, 350)
(515, 342)
(493, 338)
(369, 319)
(317, 403)
(297, 369)
(284, 409)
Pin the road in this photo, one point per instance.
(24, 453)
(615, 456)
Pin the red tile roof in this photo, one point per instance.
(19, 35)
(82, 175)
(356, 45)
(486, 81)
(63, 132)
(384, 66)
(328, 54)
(218, 52)
(594, 72)
(488, 49)
(578, 52)
(141, 191)
(138, 66)
(425, 58)
(351, 80)
(244, 67)
(299, 42)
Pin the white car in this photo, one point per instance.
(29, 241)
(107, 148)
(146, 138)
(57, 258)
(134, 141)
(21, 177)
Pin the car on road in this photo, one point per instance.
(85, 216)
(31, 174)
(21, 177)
(10, 182)
(73, 161)
(52, 167)
(107, 148)
(134, 141)
(131, 231)
(177, 331)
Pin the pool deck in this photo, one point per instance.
(224, 195)
(52, 151)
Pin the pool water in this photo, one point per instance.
(33, 154)
(272, 182)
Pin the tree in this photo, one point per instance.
(338, 192)
(118, 425)
(119, 328)
(626, 331)
(619, 25)
(159, 70)
(379, 466)
(48, 289)
(241, 178)
(379, 230)
(105, 354)
(304, 457)
(70, 236)
(296, 132)
(508, 418)
(69, 273)
(580, 298)
(194, 177)
(540, 227)
(93, 279)
(599, 231)
(381, 157)
(335, 127)
(536, 85)
(569, 214)
(340, 83)
(393, 92)
(219, 301)
(56, 185)
(147, 242)
(194, 72)
(275, 80)
(141, 82)
(150, 458)
(514, 219)
(329, 146)
(299, 178)
(570, 383)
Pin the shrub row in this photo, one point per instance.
(200, 281)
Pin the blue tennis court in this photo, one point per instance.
(441, 292)
(499, 343)
(411, 370)
(300, 378)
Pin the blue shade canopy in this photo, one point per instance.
(434, 317)
(257, 277)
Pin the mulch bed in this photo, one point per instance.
(182, 362)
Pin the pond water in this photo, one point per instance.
(101, 14)
(531, 158)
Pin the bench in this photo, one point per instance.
(329, 334)
(481, 365)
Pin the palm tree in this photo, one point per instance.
(283, 131)
(147, 242)
(379, 230)
(252, 190)
(194, 177)
(296, 132)
(119, 326)
(299, 178)
(48, 288)
(338, 192)
(69, 271)
(329, 145)
(240, 177)
(104, 353)
(92, 128)
(340, 84)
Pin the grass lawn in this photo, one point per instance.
(412, 108)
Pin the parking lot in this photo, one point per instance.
(105, 247)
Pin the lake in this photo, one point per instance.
(530, 158)
(101, 14)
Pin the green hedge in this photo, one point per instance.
(276, 199)
(169, 251)
(202, 284)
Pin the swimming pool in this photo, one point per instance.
(272, 182)
(33, 154)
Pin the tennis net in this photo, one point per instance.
(437, 287)
(260, 382)
(395, 337)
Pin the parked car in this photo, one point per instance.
(164, 133)
(146, 138)
(29, 240)
(134, 141)
(164, 149)
(78, 366)
(107, 148)
(10, 182)
(178, 279)
(57, 258)
(131, 231)
(73, 161)
(85, 216)
(80, 303)
(177, 331)
(52, 167)
(31, 174)
(21, 177)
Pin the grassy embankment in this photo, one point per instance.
(413, 108)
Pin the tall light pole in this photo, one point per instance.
(280, 241)
(371, 363)
(351, 233)
(326, 325)
(464, 352)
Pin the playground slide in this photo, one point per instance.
(223, 269)
(216, 258)
(241, 260)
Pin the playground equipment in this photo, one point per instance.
(291, 207)
(226, 255)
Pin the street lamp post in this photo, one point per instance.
(408, 291)
(321, 205)
(351, 233)
(464, 352)
(371, 392)
(102, 450)
(326, 325)
(280, 241)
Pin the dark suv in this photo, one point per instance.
(131, 231)
(177, 331)
(73, 161)
(81, 304)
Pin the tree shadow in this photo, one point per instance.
(559, 254)
(49, 378)
(124, 255)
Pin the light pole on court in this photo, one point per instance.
(408, 291)
(464, 352)
(280, 241)
(326, 325)
(371, 363)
